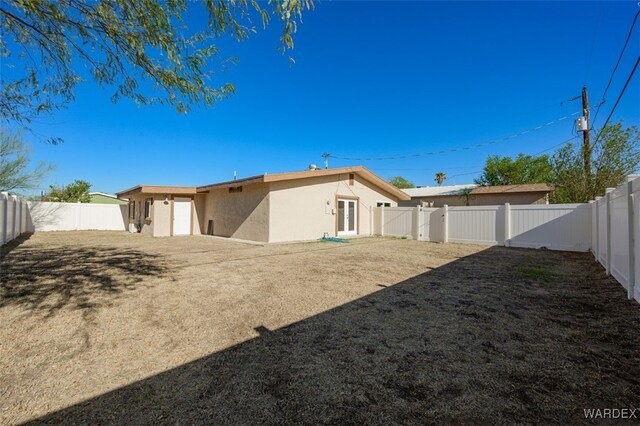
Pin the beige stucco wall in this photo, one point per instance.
(161, 216)
(147, 226)
(242, 215)
(293, 210)
(480, 200)
(159, 225)
(198, 221)
(304, 209)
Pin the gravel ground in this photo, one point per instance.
(107, 327)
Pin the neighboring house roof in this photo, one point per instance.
(437, 191)
(361, 171)
(443, 191)
(511, 189)
(104, 194)
(156, 189)
(104, 198)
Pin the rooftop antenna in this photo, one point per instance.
(326, 156)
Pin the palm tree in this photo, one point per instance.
(440, 177)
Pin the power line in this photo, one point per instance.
(617, 101)
(480, 171)
(624, 47)
(422, 169)
(445, 151)
(555, 146)
(533, 155)
(465, 174)
(575, 98)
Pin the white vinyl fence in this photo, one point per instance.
(13, 217)
(615, 228)
(481, 224)
(49, 216)
(608, 226)
(419, 223)
(18, 216)
(556, 227)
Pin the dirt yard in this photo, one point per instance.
(101, 327)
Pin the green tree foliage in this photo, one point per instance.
(440, 177)
(523, 169)
(141, 49)
(75, 192)
(15, 173)
(465, 194)
(615, 155)
(400, 182)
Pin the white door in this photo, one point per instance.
(347, 217)
(181, 216)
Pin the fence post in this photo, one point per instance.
(15, 211)
(445, 224)
(4, 196)
(608, 208)
(601, 232)
(78, 215)
(19, 220)
(632, 233)
(382, 219)
(507, 224)
(595, 239)
(418, 229)
(23, 217)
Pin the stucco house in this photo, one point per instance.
(454, 195)
(293, 206)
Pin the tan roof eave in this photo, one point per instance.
(277, 177)
(154, 189)
(381, 183)
(367, 174)
(231, 183)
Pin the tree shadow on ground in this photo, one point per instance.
(474, 341)
(13, 244)
(47, 279)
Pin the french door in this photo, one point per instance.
(347, 216)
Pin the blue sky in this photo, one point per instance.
(371, 79)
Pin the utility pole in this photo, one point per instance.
(586, 151)
(326, 156)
